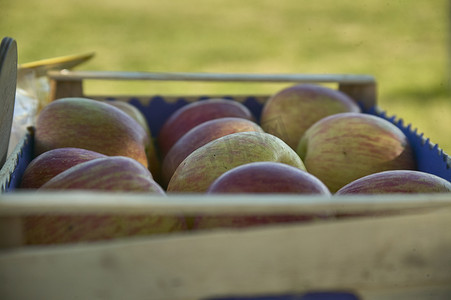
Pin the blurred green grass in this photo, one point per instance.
(404, 44)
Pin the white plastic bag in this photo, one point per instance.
(33, 89)
(31, 93)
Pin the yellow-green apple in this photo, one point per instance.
(201, 135)
(199, 169)
(50, 163)
(151, 150)
(340, 148)
(195, 113)
(291, 111)
(111, 173)
(91, 125)
(397, 181)
(267, 177)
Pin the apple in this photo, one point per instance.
(151, 150)
(342, 147)
(50, 163)
(75, 228)
(199, 169)
(111, 173)
(267, 177)
(397, 181)
(201, 135)
(195, 113)
(52, 229)
(291, 111)
(91, 125)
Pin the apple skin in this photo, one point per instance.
(195, 113)
(199, 169)
(151, 149)
(267, 177)
(340, 148)
(291, 111)
(397, 181)
(201, 135)
(112, 174)
(91, 125)
(49, 164)
(70, 228)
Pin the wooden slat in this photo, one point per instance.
(11, 232)
(21, 203)
(225, 77)
(363, 93)
(62, 89)
(65, 83)
(402, 256)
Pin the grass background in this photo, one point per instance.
(404, 44)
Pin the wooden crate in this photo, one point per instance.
(370, 247)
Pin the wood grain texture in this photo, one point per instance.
(362, 88)
(400, 257)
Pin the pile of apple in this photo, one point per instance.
(310, 139)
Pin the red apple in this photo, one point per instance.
(397, 181)
(291, 111)
(72, 228)
(267, 177)
(192, 114)
(340, 148)
(91, 125)
(49, 164)
(112, 173)
(201, 135)
(199, 169)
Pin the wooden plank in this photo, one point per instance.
(363, 93)
(62, 89)
(374, 256)
(11, 232)
(82, 202)
(67, 83)
(224, 77)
